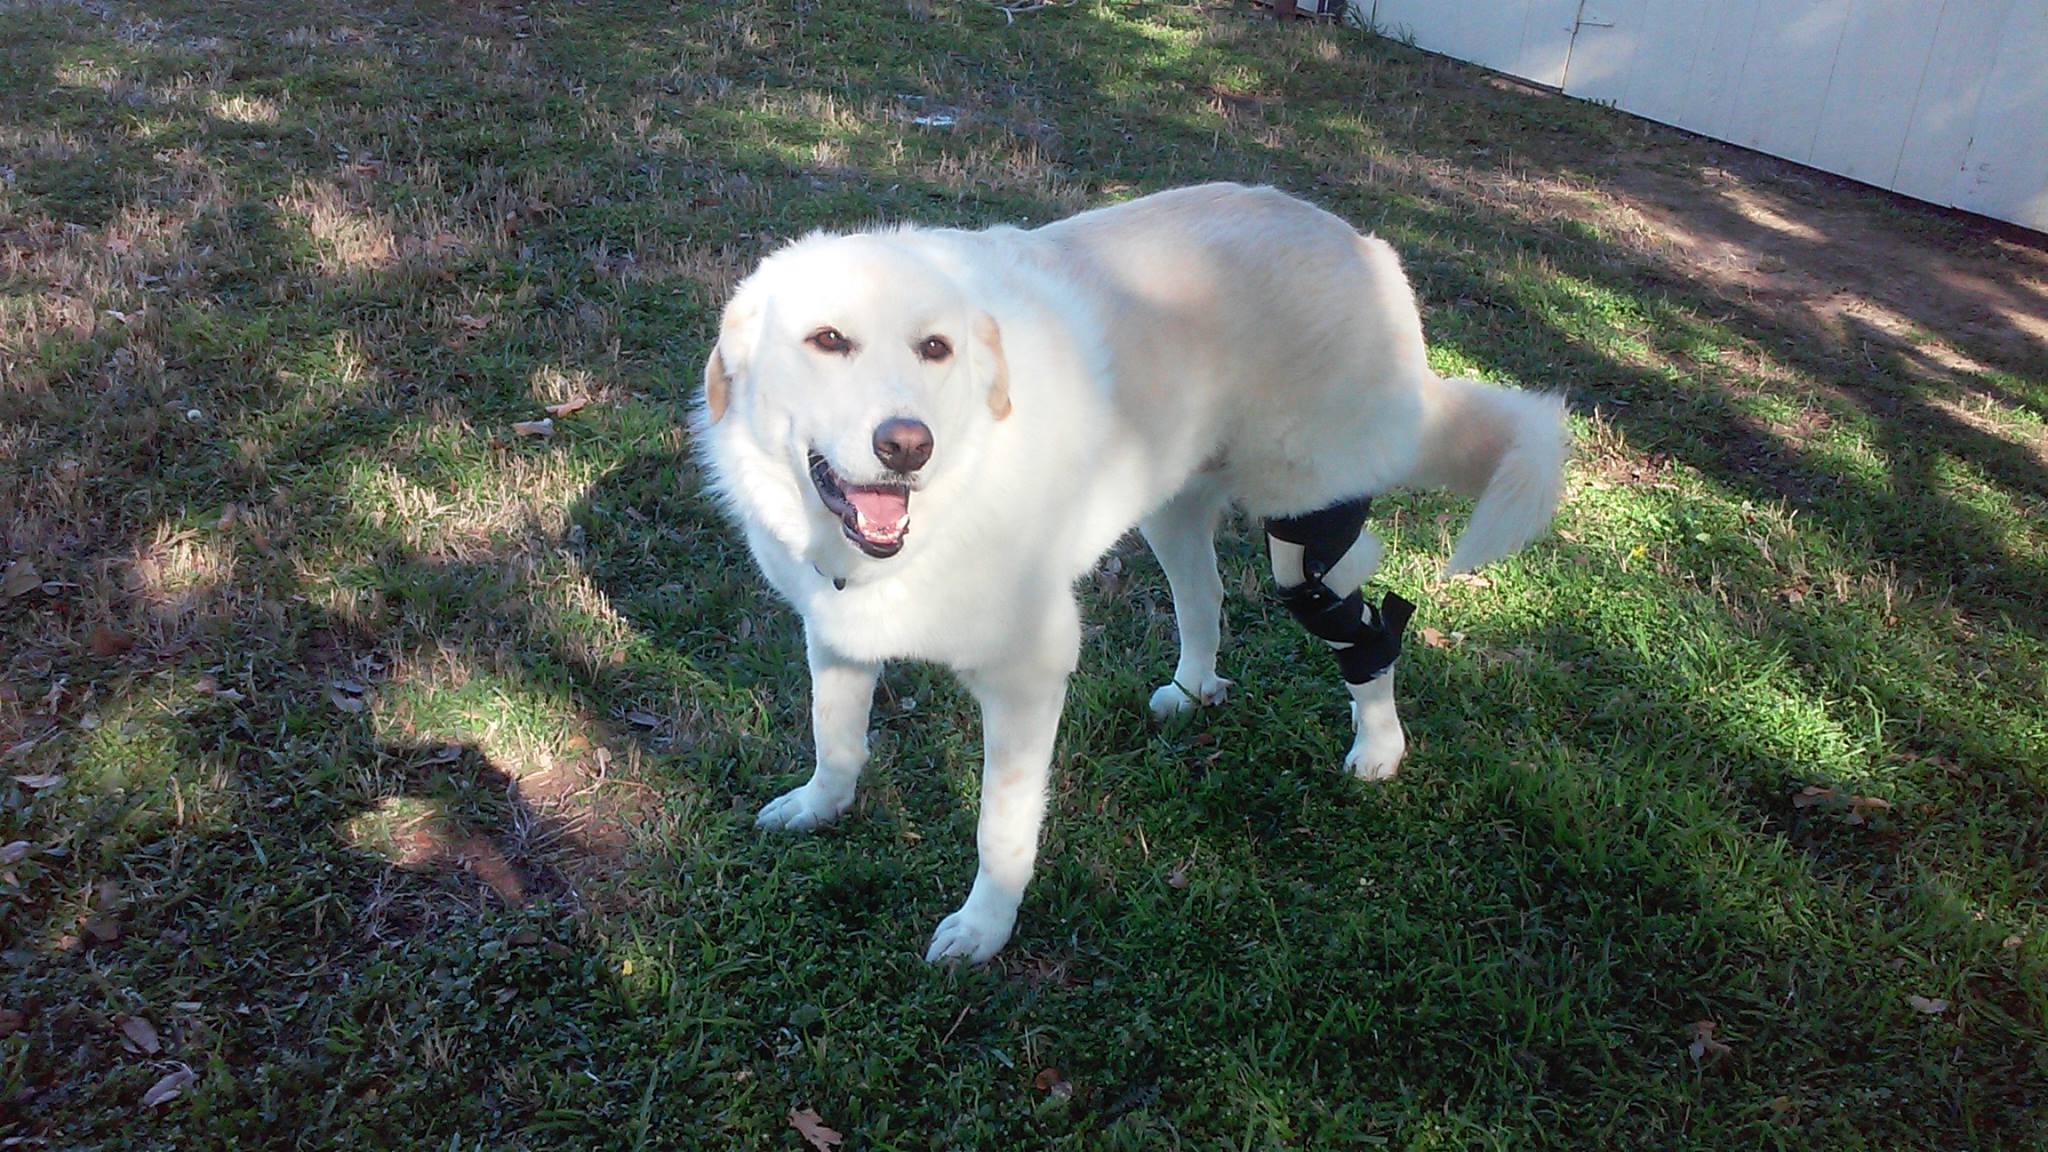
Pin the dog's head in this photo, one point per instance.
(861, 365)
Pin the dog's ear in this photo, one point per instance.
(997, 369)
(717, 386)
(729, 355)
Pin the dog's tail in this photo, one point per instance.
(1503, 446)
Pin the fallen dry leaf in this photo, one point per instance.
(211, 687)
(106, 642)
(1703, 1041)
(104, 929)
(1472, 580)
(568, 407)
(40, 780)
(813, 1130)
(1435, 639)
(168, 1088)
(1926, 1006)
(20, 580)
(11, 1021)
(473, 323)
(1812, 794)
(541, 428)
(1178, 878)
(1050, 1082)
(346, 702)
(1860, 807)
(13, 851)
(139, 1035)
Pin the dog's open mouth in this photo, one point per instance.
(874, 516)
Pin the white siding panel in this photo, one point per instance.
(1784, 80)
(1876, 81)
(1491, 31)
(1645, 60)
(1965, 40)
(1432, 24)
(2006, 171)
(1946, 100)
(1527, 38)
(1708, 105)
(1614, 38)
(1546, 41)
(1673, 32)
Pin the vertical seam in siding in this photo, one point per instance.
(1919, 90)
(1834, 62)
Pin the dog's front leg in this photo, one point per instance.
(1020, 719)
(842, 696)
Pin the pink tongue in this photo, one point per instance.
(884, 508)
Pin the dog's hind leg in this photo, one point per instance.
(1322, 561)
(842, 696)
(1183, 536)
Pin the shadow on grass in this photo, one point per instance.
(1528, 985)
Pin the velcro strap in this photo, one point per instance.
(1325, 535)
(1326, 617)
(1379, 643)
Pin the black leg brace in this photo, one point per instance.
(1366, 638)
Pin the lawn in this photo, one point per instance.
(380, 774)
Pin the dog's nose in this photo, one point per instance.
(903, 445)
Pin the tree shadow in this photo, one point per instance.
(696, 696)
(1645, 818)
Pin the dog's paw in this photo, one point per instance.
(1376, 758)
(800, 810)
(1172, 700)
(970, 936)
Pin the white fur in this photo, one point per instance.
(1148, 364)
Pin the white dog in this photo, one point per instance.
(929, 435)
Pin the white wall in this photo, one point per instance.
(1944, 100)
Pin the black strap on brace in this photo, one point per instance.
(1325, 535)
(1371, 634)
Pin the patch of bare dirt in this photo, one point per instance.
(1850, 273)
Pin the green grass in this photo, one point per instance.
(405, 766)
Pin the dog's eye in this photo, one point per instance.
(830, 340)
(934, 350)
